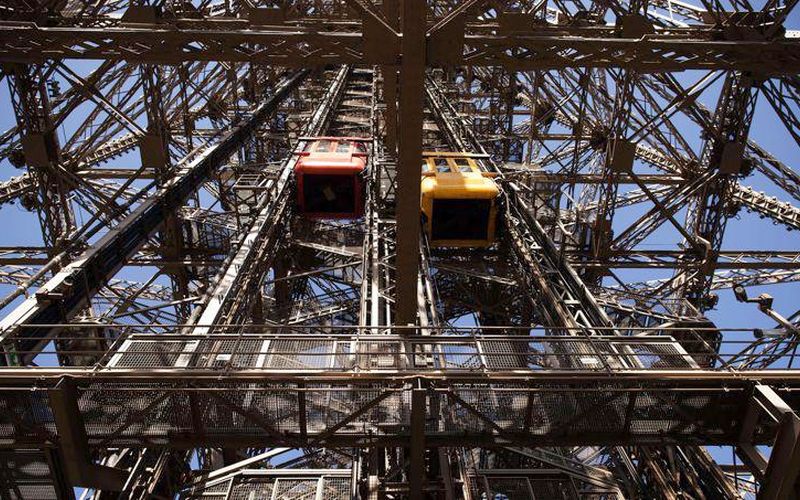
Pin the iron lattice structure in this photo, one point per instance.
(181, 331)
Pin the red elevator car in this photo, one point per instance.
(330, 178)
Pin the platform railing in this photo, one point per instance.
(449, 349)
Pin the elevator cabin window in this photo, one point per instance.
(455, 219)
(329, 193)
(330, 178)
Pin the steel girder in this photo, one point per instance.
(545, 48)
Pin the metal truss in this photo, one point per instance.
(180, 330)
(485, 44)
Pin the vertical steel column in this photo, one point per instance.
(74, 445)
(723, 154)
(391, 11)
(42, 153)
(416, 472)
(781, 472)
(154, 149)
(412, 95)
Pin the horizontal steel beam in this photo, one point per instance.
(764, 205)
(674, 259)
(11, 378)
(545, 177)
(539, 49)
(544, 380)
(694, 49)
(15, 187)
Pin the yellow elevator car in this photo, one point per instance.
(459, 201)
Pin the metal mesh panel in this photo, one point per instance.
(505, 354)
(221, 488)
(233, 352)
(336, 488)
(572, 354)
(372, 353)
(327, 408)
(379, 355)
(674, 413)
(581, 411)
(29, 473)
(301, 354)
(147, 414)
(243, 486)
(249, 411)
(661, 355)
(255, 489)
(297, 489)
(24, 413)
(150, 354)
(134, 411)
(553, 489)
(511, 488)
(485, 408)
(459, 356)
(33, 492)
(241, 410)
(575, 412)
(215, 491)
